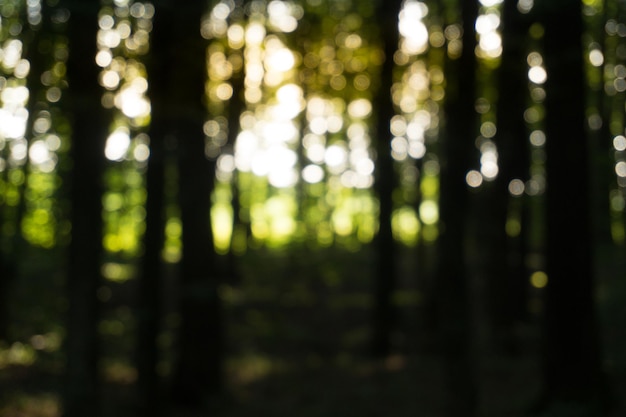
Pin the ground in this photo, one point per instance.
(297, 344)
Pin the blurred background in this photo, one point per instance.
(322, 207)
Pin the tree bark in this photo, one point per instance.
(385, 280)
(506, 277)
(571, 356)
(236, 106)
(602, 174)
(452, 292)
(197, 374)
(150, 283)
(89, 130)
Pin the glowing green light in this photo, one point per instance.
(539, 279)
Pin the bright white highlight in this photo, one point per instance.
(619, 143)
(490, 3)
(474, 179)
(412, 28)
(117, 144)
(490, 42)
(131, 99)
(280, 16)
(312, 174)
(596, 58)
(537, 75)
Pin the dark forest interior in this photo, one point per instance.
(312, 207)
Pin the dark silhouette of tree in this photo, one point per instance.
(150, 281)
(7, 271)
(602, 174)
(236, 106)
(197, 373)
(385, 183)
(506, 275)
(571, 356)
(7, 267)
(456, 145)
(89, 130)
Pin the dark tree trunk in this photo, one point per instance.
(150, 285)
(506, 276)
(89, 130)
(602, 174)
(8, 267)
(7, 275)
(385, 279)
(451, 277)
(571, 358)
(236, 106)
(197, 374)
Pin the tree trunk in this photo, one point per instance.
(571, 357)
(89, 131)
(506, 276)
(452, 292)
(384, 315)
(602, 174)
(150, 283)
(197, 374)
(236, 106)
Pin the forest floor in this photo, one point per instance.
(399, 386)
(297, 334)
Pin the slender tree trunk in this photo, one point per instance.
(384, 315)
(150, 284)
(236, 107)
(602, 174)
(6, 280)
(452, 283)
(89, 130)
(197, 374)
(8, 267)
(198, 371)
(506, 278)
(571, 356)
